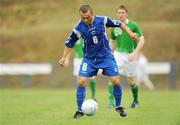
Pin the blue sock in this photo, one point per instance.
(80, 96)
(117, 91)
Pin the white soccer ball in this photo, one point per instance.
(89, 107)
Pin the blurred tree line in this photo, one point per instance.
(35, 30)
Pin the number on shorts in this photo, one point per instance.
(84, 67)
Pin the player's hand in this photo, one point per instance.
(62, 62)
(132, 56)
(135, 36)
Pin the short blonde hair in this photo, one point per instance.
(123, 7)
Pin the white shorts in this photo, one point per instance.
(76, 67)
(126, 68)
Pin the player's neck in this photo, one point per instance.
(91, 20)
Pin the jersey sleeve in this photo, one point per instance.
(73, 37)
(112, 22)
(79, 44)
(137, 30)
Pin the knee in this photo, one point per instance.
(115, 80)
(131, 80)
(81, 81)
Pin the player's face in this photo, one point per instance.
(86, 17)
(121, 14)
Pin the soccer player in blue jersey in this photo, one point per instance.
(97, 54)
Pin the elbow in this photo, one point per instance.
(69, 45)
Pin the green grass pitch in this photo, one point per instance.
(56, 107)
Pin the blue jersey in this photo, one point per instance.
(96, 43)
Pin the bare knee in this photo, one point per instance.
(115, 80)
(131, 80)
(82, 81)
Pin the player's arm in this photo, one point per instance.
(68, 58)
(141, 39)
(140, 43)
(137, 50)
(133, 35)
(65, 57)
(116, 23)
(74, 36)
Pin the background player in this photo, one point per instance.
(127, 50)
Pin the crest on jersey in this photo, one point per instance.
(93, 32)
(117, 31)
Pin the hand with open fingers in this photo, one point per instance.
(135, 36)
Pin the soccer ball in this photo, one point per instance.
(89, 107)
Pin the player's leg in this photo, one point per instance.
(131, 72)
(119, 62)
(80, 89)
(134, 90)
(92, 85)
(110, 94)
(117, 92)
(80, 95)
(143, 77)
(149, 84)
(110, 69)
(86, 70)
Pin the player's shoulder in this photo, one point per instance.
(78, 24)
(132, 22)
(100, 17)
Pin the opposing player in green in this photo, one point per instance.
(126, 51)
(78, 55)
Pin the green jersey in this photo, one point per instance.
(124, 43)
(78, 49)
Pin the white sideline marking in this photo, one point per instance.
(25, 68)
(159, 68)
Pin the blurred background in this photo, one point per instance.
(34, 31)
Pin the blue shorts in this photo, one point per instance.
(89, 66)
